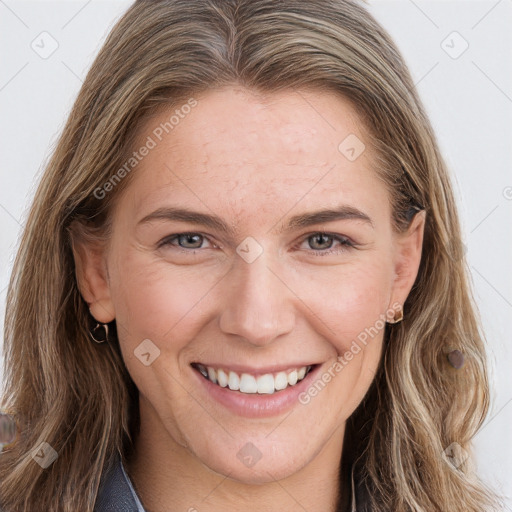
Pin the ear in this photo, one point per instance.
(92, 277)
(407, 258)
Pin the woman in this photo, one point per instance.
(243, 371)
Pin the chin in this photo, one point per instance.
(255, 459)
(273, 465)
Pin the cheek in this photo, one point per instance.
(350, 313)
(154, 301)
(349, 300)
(167, 306)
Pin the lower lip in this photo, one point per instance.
(255, 405)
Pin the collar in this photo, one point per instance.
(117, 494)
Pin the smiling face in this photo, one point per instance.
(249, 241)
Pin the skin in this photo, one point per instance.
(255, 161)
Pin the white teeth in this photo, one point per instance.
(281, 381)
(234, 381)
(292, 378)
(211, 375)
(222, 377)
(266, 383)
(247, 383)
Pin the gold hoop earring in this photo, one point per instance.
(397, 319)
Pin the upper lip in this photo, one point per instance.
(240, 368)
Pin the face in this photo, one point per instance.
(254, 246)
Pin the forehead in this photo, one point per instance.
(240, 151)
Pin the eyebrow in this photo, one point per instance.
(343, 212)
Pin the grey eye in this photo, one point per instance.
(194, 240)
(324, 241)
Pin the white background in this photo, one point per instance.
(469, 99)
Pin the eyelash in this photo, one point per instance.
(345, 243)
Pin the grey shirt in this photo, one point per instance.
(117, 494)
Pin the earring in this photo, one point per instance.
(103, 335)
(97, 330)
(397, 319)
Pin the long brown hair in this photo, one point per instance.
(78, 397)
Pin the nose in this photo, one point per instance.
(258, 305)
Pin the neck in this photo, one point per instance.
(168, 476)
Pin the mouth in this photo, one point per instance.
(254, 382)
